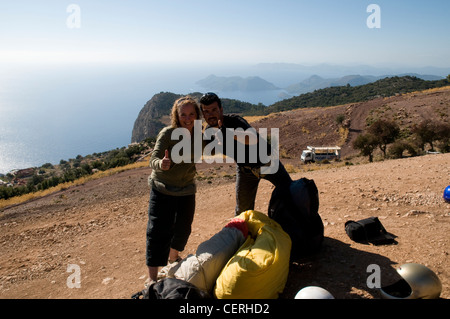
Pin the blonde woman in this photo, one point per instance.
(172, 195)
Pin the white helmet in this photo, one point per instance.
(313, 292)
(418, 282)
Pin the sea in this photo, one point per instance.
(50, 113)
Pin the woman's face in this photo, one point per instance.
(187, 115)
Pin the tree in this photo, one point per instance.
(366, 143)
(397, 149)
(443, 135)
(428, 132)
(48, 165)
(386, 132)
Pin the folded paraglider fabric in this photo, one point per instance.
(259, 269)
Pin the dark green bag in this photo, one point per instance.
(296, 208)
(171, 288)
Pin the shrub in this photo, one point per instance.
(399, 147)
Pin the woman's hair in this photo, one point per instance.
(175, 121)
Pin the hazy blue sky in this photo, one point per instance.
(249, 31)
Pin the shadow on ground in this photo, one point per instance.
(340, 269)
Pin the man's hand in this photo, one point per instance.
(219, 134)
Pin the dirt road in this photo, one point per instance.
(99, 228)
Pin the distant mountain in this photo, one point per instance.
(236, 83)
(336, 71)
(316, 82)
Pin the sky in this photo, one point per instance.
(400, 32)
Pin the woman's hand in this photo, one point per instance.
(165, 163)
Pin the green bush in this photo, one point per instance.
(399, 147)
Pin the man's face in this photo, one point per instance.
(212, 114)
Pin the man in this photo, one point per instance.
(248, 171)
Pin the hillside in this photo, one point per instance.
(151, 118)
(100, 225)
(336, 95)
(316, 82)
(318, 126)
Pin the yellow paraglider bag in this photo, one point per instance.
(259, 269)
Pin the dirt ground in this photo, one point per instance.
(100, 228)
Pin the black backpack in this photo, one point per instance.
(296, 208)
(171, 288)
